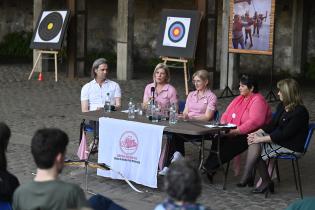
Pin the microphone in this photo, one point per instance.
(152, 93)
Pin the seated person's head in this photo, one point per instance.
(48, 146)
(201, 79)
(5, 134)
(182, 182)
(161, 74)
(99, 65)
(289, 93)
(247, 85)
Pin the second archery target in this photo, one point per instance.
(178, 33)
(50, 30)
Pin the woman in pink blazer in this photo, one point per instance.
(249, 111)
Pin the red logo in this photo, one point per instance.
(128, 143)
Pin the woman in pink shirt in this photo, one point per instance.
(164, 93)
(249, 111)
(200, 105)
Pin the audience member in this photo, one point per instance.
(46, 191)
(8, 182)
(182, 184)
(304, 204)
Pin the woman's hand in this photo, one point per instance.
(183, 116)
(253, 138)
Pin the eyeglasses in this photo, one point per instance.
(197, 81)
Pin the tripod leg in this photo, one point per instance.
(37, 59)
(56, 70)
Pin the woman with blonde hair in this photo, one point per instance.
(285, 134)
(200, 105)
(163, 93)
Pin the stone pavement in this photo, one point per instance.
(28, 105)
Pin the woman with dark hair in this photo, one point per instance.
(8, 182)
(182, 184)
(286, 133)
(249, 111)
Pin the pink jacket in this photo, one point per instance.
(249, 114)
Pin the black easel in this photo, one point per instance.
(227, 90)
(271, 96)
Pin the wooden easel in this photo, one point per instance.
(39, 56)
(184, 62)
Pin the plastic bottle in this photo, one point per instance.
(173, 115)
(148, 110)
(107, 106)
(155, 113)
(131, 109)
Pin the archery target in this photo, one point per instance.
(50, 30)
(176, 32)
(50, 27)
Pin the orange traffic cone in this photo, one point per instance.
(40, 76)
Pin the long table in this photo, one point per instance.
(189, 127)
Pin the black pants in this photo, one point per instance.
(176, 142)
(229, 148)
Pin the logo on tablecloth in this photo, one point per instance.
(128, 143)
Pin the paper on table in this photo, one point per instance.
(126, 111)
(229, 125)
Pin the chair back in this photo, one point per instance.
(181, 106)
(5, 205)
(216, 116)
(311, 128)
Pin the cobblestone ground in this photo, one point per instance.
(28, 105)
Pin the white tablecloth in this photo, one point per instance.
(131, 148)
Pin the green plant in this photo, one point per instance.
(310, 69)
(16, 44)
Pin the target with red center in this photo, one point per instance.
(176, 31)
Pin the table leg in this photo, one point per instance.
(225, 171)
(202, 148)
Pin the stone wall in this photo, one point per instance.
(311, 33)
(15, 16)
(102, 24)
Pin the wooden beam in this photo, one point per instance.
(37, 8)
(71, 40)
(125, 39)
(201, 50)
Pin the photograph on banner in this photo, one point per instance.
(251, 26)
(178, 33)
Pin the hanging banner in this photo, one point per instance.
(251, 26)
(132, 148)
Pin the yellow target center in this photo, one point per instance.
(176, 32)
(50, 26)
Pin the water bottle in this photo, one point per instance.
(131, 109)
(155, 113)
(148, 110)
(173, 115)
(107, 106)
